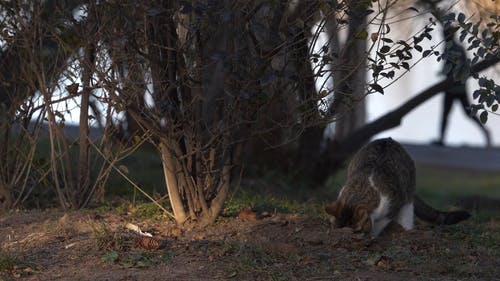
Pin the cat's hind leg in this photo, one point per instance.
(405, 216)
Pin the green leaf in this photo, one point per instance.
(483, 82)
(461, 18)
(484, 33)
(385, 49)
(413, 9)
(479, 92)
(494, 107)
(483, 117)
(475, 28)
(462, 36)
(391, 74)
(481, 51)
(401, 42)
(490, 99)
(449, 17)
(377, 88)
(362, 35)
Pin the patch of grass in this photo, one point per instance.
(484, 216)
(443, 186)
(8, 263)
(476, 234)
(464, 246)
(11, 266)
(148, 210)
(403, 254)
(263, 202)
(143, 211)
(110, 257)
(136, 259)
(253, 262)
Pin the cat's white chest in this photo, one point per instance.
(382, 209)
(378, 216)
(383, 206)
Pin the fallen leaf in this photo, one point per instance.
(308, 260)
(399, 265)
(247, 215)
(314, 241)
(384, 262)
(280, 248)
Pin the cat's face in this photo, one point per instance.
(356, 218)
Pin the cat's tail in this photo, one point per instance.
(427, 213)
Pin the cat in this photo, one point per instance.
(380, 188)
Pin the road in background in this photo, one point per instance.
(467, 157)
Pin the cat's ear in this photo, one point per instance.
(362, 221)
(333, 209)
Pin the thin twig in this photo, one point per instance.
(131, 182)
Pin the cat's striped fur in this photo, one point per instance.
(380, 188)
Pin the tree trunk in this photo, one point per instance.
(309, 150)
(218, 202)
(350, 74)
(348, 106)
(83, 157)
(170, 171)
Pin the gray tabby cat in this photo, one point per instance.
(380, 188)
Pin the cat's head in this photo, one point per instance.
(357, 218)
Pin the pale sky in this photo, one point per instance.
(422, 124)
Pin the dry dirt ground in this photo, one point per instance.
(94, 245)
